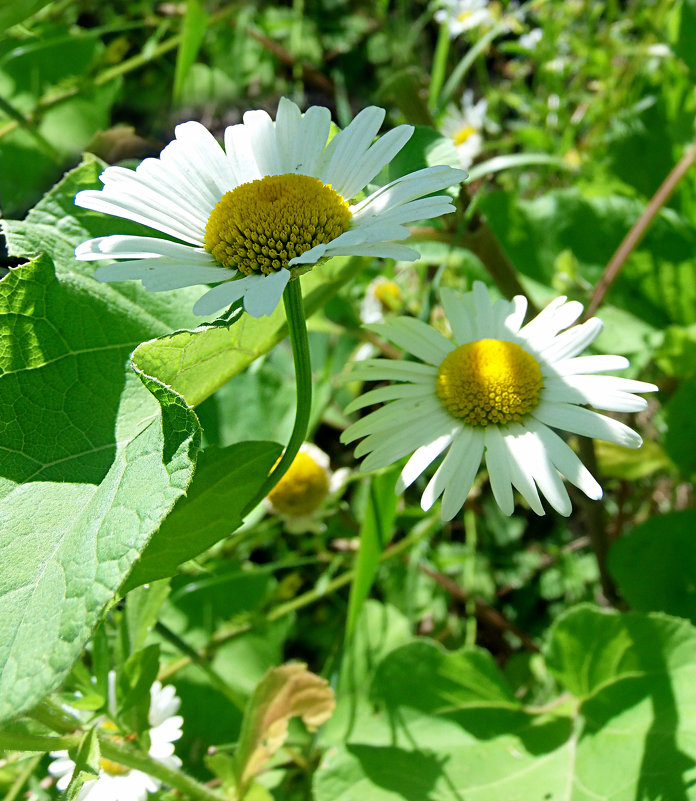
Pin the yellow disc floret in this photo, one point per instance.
(388, 294)
(113, 768)
(489, 381)
(300, 491)
(261, 225)
(463, 134)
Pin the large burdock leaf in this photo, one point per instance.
(448, 727)
(91, 461)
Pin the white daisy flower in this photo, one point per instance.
(308, 482)
(465, 126)
(270, 205)
(529, 40)
(117, 782)
(382, 295)
(499, 388)
(462, 15)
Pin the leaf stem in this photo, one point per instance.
(297, 329)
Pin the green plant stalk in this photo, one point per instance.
(121, 753)
(201, 662)
(126, 755)
(19, 741)
(23, 776)
(472, 542)
(458, 73)
(437, 77)
(297, 329)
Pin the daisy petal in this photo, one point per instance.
(264, 294)
(348, 148)
(457, 489)
(565, 460)
(587, 423)
(421, 459)
(497, 463)
(416, 337)
(139, 247)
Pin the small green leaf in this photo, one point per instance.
(655, 565)
(14, 13)
(193, 30)
(134, 682)
(422, 675)
(225, 481)
(375, 533)
(87, 766)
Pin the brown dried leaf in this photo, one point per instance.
(284, 692)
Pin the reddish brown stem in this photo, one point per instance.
(639, 228)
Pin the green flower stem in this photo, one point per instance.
(122, 753)
(471, 541)
(457, 76)
(201, 661)
(18, 741)
(297, 328)
(127, 755)
(23, 777)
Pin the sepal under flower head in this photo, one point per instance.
(498, 390)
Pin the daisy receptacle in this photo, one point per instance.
(500, 391)
(279, 199)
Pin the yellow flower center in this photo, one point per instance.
(388, 294)
(464, 16)
(489, 381)
(261, 225)
(300, 491)
(113, 768)
(463, 134)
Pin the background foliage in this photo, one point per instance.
(521, 657)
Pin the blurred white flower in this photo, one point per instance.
(465, 127)
(117, 782)
(462, 15)
(382, 295)
(500, 389)
(307, 484)
(271, 205)
(529, 41)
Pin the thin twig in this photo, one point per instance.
(483, 610)
(638, 230)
